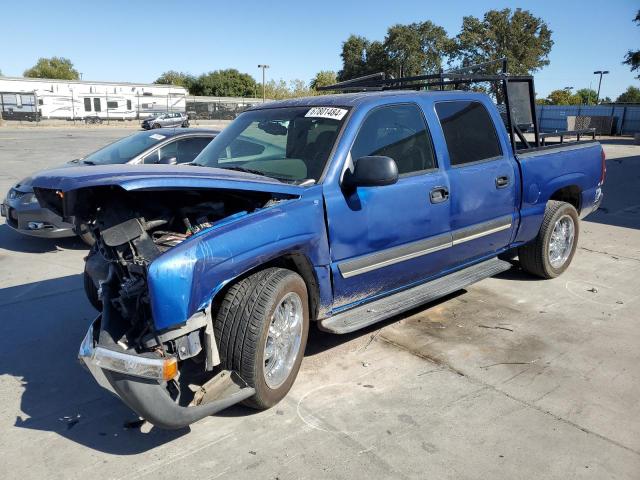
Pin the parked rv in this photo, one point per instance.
(164, 146)
(92, 102)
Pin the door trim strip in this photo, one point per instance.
(393, 255)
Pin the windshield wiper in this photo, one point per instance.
(245, 170)
(88, 162)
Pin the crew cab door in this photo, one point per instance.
(388, 237)
(483, 176)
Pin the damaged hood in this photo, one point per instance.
(158, 177)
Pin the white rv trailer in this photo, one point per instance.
(86, 100)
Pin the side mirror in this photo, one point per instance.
(168, 161)
(372, 172)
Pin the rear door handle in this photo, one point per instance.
(502, 181)
(439, 195)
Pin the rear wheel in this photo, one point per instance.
(261, 328)
(185, 124)
(551, 252)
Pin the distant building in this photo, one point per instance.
(35, 98)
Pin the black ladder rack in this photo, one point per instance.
(520, 108)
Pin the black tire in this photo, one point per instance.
(242, 325)
(534, 256)
(91, 291)
(156, 125)
(185, 124)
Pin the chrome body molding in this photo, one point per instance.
(393, 255)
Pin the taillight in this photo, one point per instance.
(603, 172)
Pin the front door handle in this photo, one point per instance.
(439, 194)
(502, 181)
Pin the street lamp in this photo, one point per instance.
(263, 67)
(601, 73)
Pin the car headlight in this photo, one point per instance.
(28, 199)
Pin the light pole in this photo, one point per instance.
(601, 73)
(263, 67)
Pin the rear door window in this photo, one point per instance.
(468, 131)
(189, 148)
(96, 104)
(398, 132)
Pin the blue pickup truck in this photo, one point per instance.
(339, 210)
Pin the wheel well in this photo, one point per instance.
(570, 194)
(295, 262)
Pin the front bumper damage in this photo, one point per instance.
(145, 392)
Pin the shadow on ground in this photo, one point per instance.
(16, 242)
(621, 202)
(42, 326)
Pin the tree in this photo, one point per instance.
(417, 48)
(225, 83)
(54, 67)
(562, 97)
(278, 90)
(520, 37)
(632, 58)
(179, 79)
(412, 49)
(587, 96)
(323, 78)
(631, 95)
(362, 57)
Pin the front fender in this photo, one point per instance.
(185, 279)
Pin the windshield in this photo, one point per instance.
(290, 144)
(125, 149)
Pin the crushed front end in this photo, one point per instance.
(171, 376)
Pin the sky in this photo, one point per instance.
(136, 41)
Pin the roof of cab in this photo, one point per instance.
(360, 98)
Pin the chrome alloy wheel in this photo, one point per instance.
(561, 241)
(283, 340)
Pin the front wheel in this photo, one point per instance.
(156, 125)
(261, 329)
(551, 252)
(185, 124)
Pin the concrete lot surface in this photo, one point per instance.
(514, 378)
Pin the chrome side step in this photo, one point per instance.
(372, 312)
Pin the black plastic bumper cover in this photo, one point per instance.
(151, 401)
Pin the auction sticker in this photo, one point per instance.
(157, 136)
(327, 112)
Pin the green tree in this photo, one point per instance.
(323, 78)
(54, 67)
(562, 97)
(520, 37)
(179, 79)
(417, 48)
(280, 89)
(632, 58)
(587, 96)
(631, 95)
(362, 57)
(276, 90)
(225, 83)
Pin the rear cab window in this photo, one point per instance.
(398, 132)
(468, 131)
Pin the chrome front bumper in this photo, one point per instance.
(148, 397)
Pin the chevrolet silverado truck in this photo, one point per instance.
(338, 210)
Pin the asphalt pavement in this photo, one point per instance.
(512, 378)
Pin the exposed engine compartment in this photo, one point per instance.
(131, 229)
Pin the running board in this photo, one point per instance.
(377, 310)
